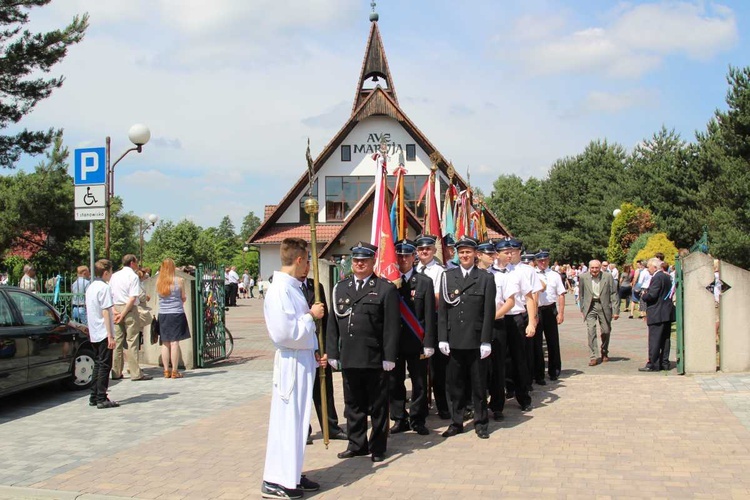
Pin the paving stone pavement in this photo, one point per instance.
(597, 432)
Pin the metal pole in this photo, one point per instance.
(140, 232)
(108, 197)
(91, 247)
(312, 207)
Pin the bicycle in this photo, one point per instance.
(228, 342)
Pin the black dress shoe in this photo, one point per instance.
(339, 436)
(497, 416)
(399, 426)
(553, 377)
(483, 434)
(541, 382)
(272, 490)
(647, 369)
(526, 407)
(510, 395)
(378, 458)
(107, 404)
(307, 485)
(452, 431)
(350, 454)
(444, 415)
(420, 429)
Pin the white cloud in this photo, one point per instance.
(632, 43)
(614, 102)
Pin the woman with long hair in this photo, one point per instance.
(173, 325)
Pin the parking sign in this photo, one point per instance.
(89, 166)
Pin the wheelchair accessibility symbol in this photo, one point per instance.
(93, 196)
(89, 199)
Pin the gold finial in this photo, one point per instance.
(451, 172)
(434, 158)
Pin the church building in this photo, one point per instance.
(345, 174)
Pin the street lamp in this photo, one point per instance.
(244, 256)
(616, 212)
(139, 135)
(143, 227)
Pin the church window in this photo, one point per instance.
(343, 192)
(411, 152)
(346, 153)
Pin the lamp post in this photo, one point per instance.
(143, 227)
(139, 135)
(244, 257)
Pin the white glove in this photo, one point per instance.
(388, 365)
(484, 350)
(334, 363)
(428, 351)
(444, 347)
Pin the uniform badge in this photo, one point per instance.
(341, 307)
(371, 283)
(453, 296)
(455, 292)
(347, 301)
(350, 284)
(414, 279)
(341, 300)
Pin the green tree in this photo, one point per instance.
(249, 224)
(723, 159)
(176, 241)
(658, 243)
(25, 58)
(630, 223)
(518, 205)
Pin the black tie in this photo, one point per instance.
(403, 278)
(423, 270)
(360, 284)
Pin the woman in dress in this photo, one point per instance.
(173, 325)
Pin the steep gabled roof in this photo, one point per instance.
(374, 65)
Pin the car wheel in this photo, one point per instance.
(83, 371)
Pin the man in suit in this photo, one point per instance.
(334, 431)
(362, 339)
(466, 313)
(658, 317)
(599, 302)
(416, 343)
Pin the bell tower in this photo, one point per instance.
(375, 72)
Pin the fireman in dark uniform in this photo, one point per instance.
(362, 339)
(416, 343)
(466, 313)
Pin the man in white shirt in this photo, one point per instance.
(234, 280)
(99, 309)
(551, 314)
(291, 327)
(125, 286)
(438, 363)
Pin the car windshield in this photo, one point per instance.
(34, 311)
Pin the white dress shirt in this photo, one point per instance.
(125, 284)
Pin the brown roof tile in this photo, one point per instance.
(278, 232)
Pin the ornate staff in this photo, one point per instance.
(311, 208)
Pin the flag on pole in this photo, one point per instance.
(386, 265)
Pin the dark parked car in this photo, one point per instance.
(38, 347)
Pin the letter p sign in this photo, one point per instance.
(89, 166)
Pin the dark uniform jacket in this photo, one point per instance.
(364, 325)
(308, 288)
(419, 295)
(467, 323)
(659, 304)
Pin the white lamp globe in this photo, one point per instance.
(245, 248)
(139, 134)
(616, 212)
(153, 218)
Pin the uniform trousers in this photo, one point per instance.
(515, 325)
(547, 325)
(438, 364)
(497, 358)
(126, 329)
(658, 345)
(366, 392)
(463, 363)
(333, 418)
(418, 375)
(594, 316)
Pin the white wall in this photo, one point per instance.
(365, 133)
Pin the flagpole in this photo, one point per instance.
(311, 208)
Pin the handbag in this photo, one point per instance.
(154, 331)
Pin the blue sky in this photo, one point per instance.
(231, 90)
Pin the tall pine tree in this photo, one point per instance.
(23, 56)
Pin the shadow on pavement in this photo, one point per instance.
(144, 398)
(32, 401)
